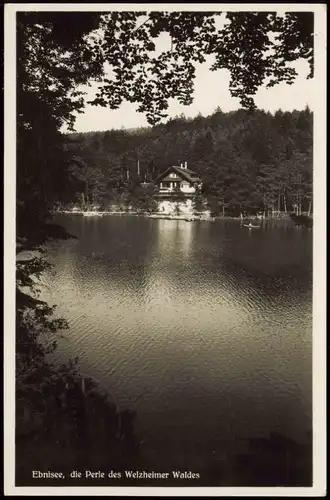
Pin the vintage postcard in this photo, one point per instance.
(165, 232)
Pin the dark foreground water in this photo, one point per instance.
(204, 328)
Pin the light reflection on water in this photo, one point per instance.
(204, 328)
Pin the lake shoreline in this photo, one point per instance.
(186, 217)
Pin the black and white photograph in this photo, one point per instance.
(165, 249)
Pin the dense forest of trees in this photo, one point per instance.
(249, 161)
(60, 422)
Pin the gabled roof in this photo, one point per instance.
(183, 173)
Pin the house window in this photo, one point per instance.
(172, 175)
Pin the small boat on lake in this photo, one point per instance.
(250, 226)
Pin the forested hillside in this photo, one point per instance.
(248, 160)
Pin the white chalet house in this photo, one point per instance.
(178, 179)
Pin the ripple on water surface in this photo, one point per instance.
(190, 323)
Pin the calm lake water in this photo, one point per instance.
(204, 328)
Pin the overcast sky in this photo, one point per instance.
(211, 90)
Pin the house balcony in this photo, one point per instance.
(170, 191)
(167, 190)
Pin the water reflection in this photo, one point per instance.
(204, 328)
